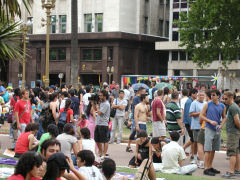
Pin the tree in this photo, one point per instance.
(211, 30)
(74, 43)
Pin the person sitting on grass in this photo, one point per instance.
(52, 132)
(85, 161)
(27, 141)
(172, 158)
(143, 149)
(109, 169)
(29, 167)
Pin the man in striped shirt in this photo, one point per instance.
(174, 122)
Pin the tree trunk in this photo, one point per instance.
(74, 43)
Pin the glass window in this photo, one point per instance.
(62, 23)
(53, 24)
(167, 29)
(88, 23)
(62, 54)
(97, 54)
(98, 22)
(182, 56)
(160, 27)
(145, 25)
(175, 35)
(110, 53)
(175, 55)
(53, 55)
(184, 5)
(175, 16)
(87, 54)
(30, 22)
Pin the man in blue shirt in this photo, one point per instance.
(187, 118)
(212, 113)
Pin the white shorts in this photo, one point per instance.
(158, 128)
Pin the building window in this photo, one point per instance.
(175, 36)
(182, 56)
(30, 22)
(110, 53)
(98, 22)
(39, 55)
(175, 4)
(57, 54)
(88, 23)
(160, 27)
(62, 24)
(167, 29)
(94, 54)
(175, 55)
(145, 25)
(53, 24)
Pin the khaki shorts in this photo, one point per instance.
(201, 137)
(232, 144)
(195, 134)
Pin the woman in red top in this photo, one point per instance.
(69, 115)
(29, 167)
(27, 140)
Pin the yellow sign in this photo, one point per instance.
(43, 78)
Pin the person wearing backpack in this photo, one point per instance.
(66, 116)
(75, 106)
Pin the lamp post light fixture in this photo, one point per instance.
(48, 5)
(110, 71)
(25, 28)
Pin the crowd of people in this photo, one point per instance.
(57, 128)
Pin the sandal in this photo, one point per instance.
(128, 149)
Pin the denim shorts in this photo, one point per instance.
(212, 140)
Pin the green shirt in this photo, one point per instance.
(230, 125)
(44, 137)
(173, 113)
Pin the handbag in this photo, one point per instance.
(14, 124)
(113, 111)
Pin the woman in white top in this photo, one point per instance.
(86, 143)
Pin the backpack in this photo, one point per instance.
(63, 118)
(75, 106)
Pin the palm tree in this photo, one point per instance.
(74, 43)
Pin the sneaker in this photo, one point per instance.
(228, 175)
(118, 142)
(208, 172)
(191, 157)
(237, 172)
(200, 165)
(214, 171)
(128, 149)
(193, 161)
(102, 158)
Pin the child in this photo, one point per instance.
(82, 123)
(143, 150)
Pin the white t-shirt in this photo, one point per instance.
(63, 102)
(127, 94)
(171, 154)
(67, 142)
(91, 173)
(120, 102)
(89, 144)
(85, 98)
(182, 102)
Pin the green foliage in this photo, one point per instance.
(211, 28)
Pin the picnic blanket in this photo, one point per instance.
(8, 161)
(6, 172)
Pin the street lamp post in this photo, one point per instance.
(25, 29)
(110, 71)
(48, 5)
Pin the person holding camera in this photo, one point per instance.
(101, 129)
(119, 104)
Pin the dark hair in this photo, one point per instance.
(142, 133)
(17, 92)
(192, 91)
(65, 94)
(143, 96)
(53, 96)
(155, 140)
(38, 83)
(43, 96)
(121, 91)
(68, 129)
(174, 135)
(71, 92)
(88, 88)
(185, 92)
(125, 86)
(104, 93)
(67, 103)
(31, 127)
(175, 95)
(49, 142)
(140, 89)
(53, 130)
(216, 91)
(27, 162)
(165, 90)
(87, 156)
(160, 92)
(89, 107)
(85, 133)
(108, 167)
(208, 93)
(237, 100)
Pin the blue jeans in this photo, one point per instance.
(40, 131)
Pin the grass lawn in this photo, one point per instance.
(167, 176)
